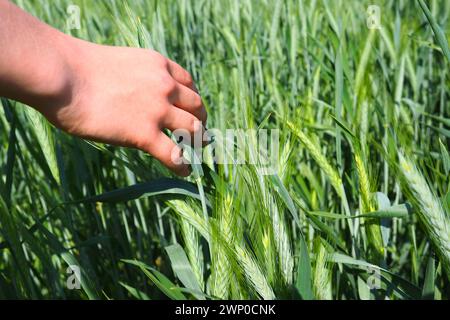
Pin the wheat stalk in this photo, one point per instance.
(194, 219)
(191, 240)
(364, 184)
(254, 274)
(323, 163)
(322, 275)
(431, 213)
(282, 243)
(221, 267)
(193, 250)
(373, 228)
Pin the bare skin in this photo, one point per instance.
(117, 95)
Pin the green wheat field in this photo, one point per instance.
(357, 208)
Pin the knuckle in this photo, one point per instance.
(198, 103)
(168, 84)
(141, 143)
(188, 124)
(188, 79)
(160, 60)
(193, 121)
(144, 141)
(194, 124)
(162, 112)
(163, 62)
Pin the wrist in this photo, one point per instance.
(43, 77)
(58, 86)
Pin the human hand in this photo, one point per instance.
(117, 95)
(127, 96)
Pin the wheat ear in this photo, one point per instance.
(430, 210)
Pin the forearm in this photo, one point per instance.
(34, 59)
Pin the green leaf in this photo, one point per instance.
(199, 294)
(135, 292)
(445, 158)
(10, 230)
(397, 211)
(304, 282)
(438, 32)
(383, 204)
(10, 161)
(329, 233)
(44, 134)
(58, 248)
(363, 61)
(363, 289)
(284, 194)
(172, 188)
(343, 127)
(401, 286)
(443, 131)
(182, 268)
(331, 215)
(160, 280)
(445, 121)
(429, 282)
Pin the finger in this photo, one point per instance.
(190, 101)
(181, 75)
(169, 154)
(185, 125)
(179, 119)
